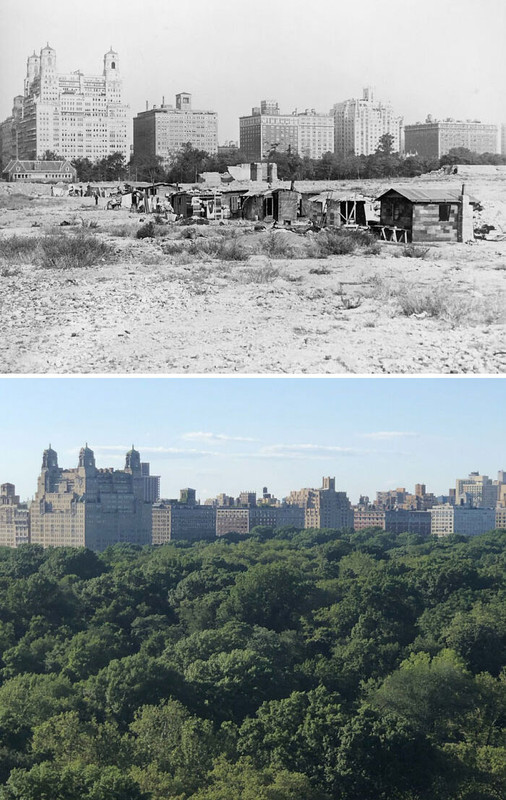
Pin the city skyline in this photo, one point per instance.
(238, 434)
(275, 52)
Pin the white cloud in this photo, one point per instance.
(385, 435)
(215, 437)
(307, 450)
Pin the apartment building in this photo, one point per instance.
(87, 506)
(435, 138)
(307, 133)
(14, 518)
(161, 131)
(464, 520)
(397, 520)
(359, 125)
(71, 114)
(151, 484)
(183, 519)
(323, 508)
(477, 490)
(239, 519)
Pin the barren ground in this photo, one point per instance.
(161, 309)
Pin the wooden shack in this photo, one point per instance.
(428, 214)
(278, 205)
(331, 209)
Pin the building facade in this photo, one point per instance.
(183, 519)
(90, 507)
(323, 508)
(151, 484)
(163, 130)
(359, 125)
(14, 518)
(476, 490)
(398, 520)
(243, 519)
(464, 520)
(434, 138)
(10, 133)
(265, 130)
(71, 114)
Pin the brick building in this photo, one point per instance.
(266, 129)
(14, 518)
(162, 131)
(183, 519)
(323, 508)
(434, 138)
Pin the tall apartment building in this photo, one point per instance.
(151, 484)
(307, 133)
(174, 520)
(323, 508)
(14, 518)
(465, 520)
(359, 125)
(72, 114)
(477, 490)
(162, 131)
(435, 138)
(90, 507)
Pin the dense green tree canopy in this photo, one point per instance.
(281, 665)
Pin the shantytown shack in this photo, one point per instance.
(428, 214)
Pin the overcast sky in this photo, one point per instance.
(444, 57)
(234, 434)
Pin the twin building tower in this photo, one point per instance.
(90, 507)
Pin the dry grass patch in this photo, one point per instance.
(57, 250)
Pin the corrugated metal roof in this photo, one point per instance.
(429, 194)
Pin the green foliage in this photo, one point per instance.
(282, 664)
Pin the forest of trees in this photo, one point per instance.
(191, 161)
(282, 665)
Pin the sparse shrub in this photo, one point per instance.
(264, 274)
(10, 272)
(81, 250)
(336, 242)
(319, 271)
(412, 251)
(276, 246)
(146, 231)
(232, 250)
(19, 249)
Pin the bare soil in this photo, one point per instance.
(165, 306)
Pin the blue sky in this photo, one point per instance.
(234, 434)
(437, 56)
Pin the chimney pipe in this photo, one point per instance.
(147, 105)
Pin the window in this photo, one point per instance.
(444, 212)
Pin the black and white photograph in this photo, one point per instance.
(252, 393)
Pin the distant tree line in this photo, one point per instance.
(280, 665)
(190, 162)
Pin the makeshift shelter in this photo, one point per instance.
(330, 208)
(280, 205)
(431, 214)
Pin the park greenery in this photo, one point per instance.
(281, 665)
(190, 162)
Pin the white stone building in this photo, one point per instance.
(72, 114)
(359, 125)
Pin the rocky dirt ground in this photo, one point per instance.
(165, 306)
